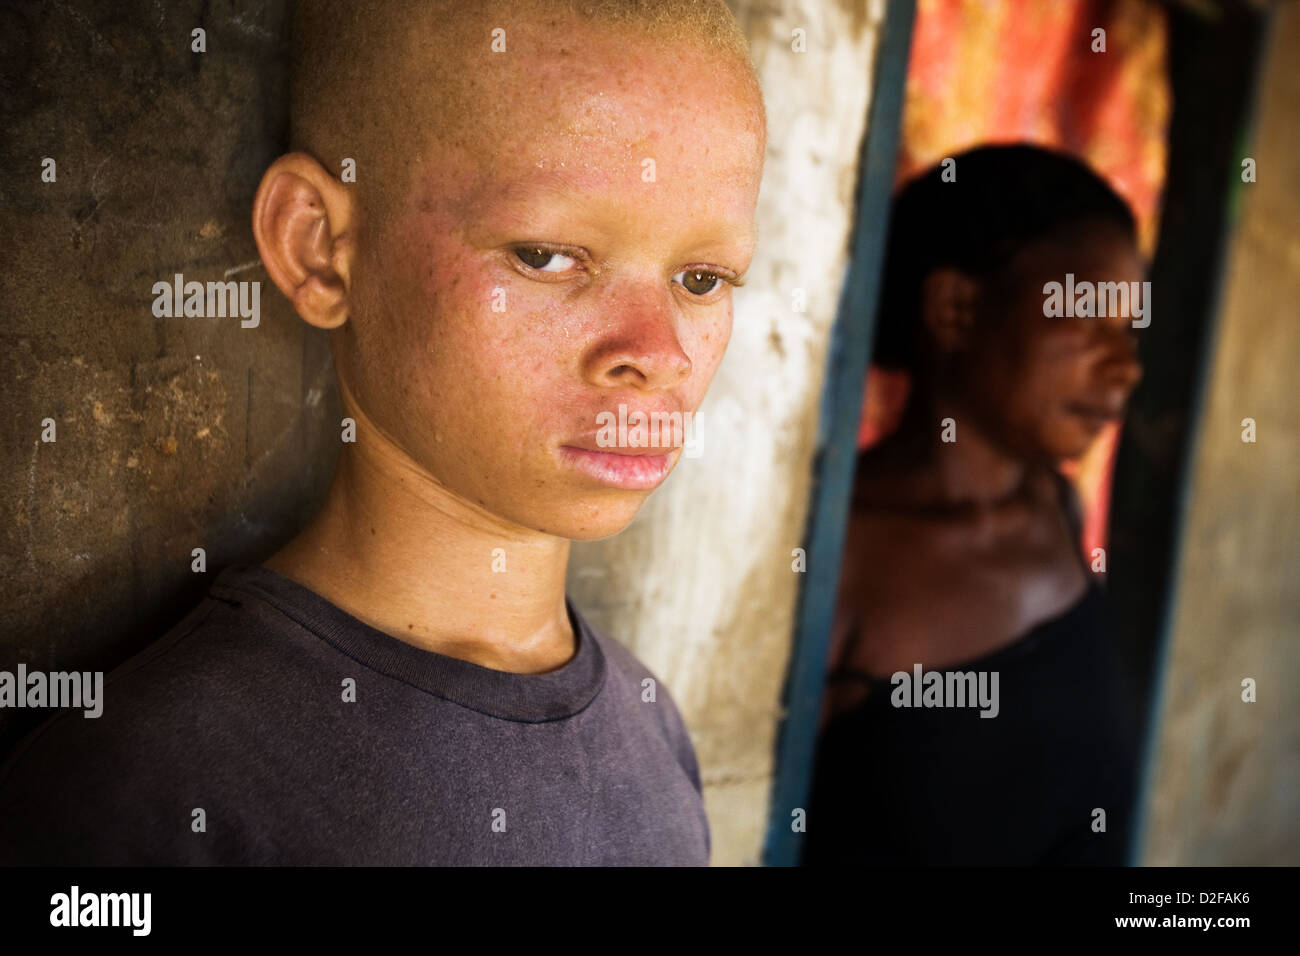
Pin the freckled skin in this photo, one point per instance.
(483, 399)
(461, 409)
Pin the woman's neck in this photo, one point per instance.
(943, 457)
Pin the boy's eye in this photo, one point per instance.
(698, 281)
(544, 260)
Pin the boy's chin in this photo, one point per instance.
(596, 519)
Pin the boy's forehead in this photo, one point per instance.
(580, 110)
(571, 111)
(601, 176)
(429, 98)
(578, 81)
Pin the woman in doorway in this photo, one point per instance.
(964, 555)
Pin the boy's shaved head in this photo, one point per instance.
(384, 81)
(553, 200)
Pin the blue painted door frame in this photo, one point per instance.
(836, 452)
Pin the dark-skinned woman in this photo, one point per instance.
(963, 554)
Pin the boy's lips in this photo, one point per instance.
(637, 469)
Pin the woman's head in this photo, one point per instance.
(972, 245)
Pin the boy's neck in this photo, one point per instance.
(398, 550)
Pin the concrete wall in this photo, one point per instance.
(1226, 784)
(700, 585)
(173, 435)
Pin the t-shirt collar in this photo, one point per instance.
(529, 698)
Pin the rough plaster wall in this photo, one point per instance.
(700, 585)
(172, 433)
(1226, 789)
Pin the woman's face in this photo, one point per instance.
(1046, 384)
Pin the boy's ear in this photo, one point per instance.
(301, 221)
(948, 298)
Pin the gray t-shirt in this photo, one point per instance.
(237, 720)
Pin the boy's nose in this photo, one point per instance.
(644, 352)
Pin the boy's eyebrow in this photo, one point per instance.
(500, 199)
(524, 188)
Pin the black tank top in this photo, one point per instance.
(943, 785)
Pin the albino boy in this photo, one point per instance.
(552, 202)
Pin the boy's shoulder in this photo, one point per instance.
(630, 677)
(230, 705)
(171, 717)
